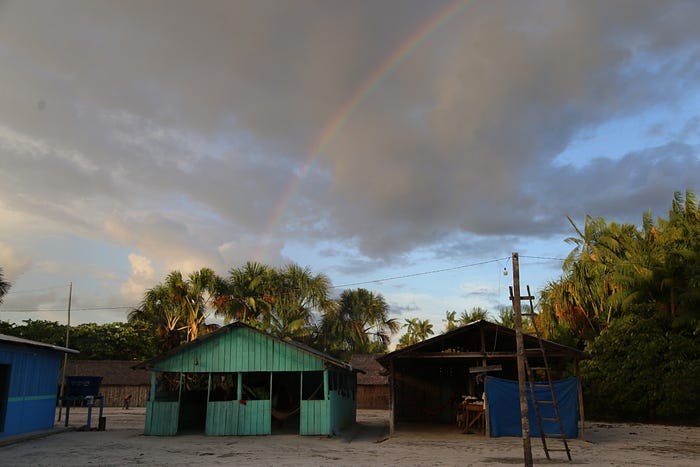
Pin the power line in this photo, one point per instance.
(352, 284)
(14, 292)
(97, 308)
(543, 257)
(425, 273)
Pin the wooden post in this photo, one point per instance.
(582, 420)
(524, 421)
(392, 396)
(65, 357)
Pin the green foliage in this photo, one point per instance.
(476, 314)
(177, 308)
(416, 331)
(506, 317)
(47, 332)
(113, 341)
(631, 296)
(359, 323)
(279, 301)
(644, 368)
(450, 320)
(4, 286)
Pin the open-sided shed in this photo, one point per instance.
(430, 379)
(242, 381)
(28, 384)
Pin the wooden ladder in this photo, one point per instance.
(535, 383)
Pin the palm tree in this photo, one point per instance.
(587, 241)
(298, 295)
(477, 314)
(450, 320)
(201, 289)
(4, 286)
(162, 313)
(283, 302)
(589, 283)
(360, 323)
(179, 304)
(248, 295)
(506, 317)
(416, 331)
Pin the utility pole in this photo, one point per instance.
(524, 421)
(65, 355)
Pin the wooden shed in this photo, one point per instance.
(372, 382)
(429, 380)
(28, 390)
(119, 380)
(242, 381)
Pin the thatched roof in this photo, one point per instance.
(113, 372)
(374, 373)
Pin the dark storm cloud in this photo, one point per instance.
(523, 81)
(126, 112)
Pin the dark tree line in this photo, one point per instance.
(113, 341)
(630, 296)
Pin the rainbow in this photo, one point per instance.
(343, 114)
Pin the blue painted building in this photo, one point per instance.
(29, 372)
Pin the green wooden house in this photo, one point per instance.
(238, 380)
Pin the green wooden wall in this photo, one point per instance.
(241, 350)
(162, 418)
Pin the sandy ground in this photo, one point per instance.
(123, 443)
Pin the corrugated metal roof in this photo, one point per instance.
(469, 337)
(27, 342)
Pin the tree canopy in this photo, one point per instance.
(631, 297)
(4, 285)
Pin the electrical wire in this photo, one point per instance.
(97, 308)
(14, 292)
(425, 273)
(351, 284)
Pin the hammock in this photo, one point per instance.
(282, 416)
(434, 411)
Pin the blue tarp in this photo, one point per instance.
(504, 407)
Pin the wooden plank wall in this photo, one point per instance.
(375, 397)
(114, 395)
(222, 418)
(315, 418)
(162, 418)
(241, 350)
(31, 388)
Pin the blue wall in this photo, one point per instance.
(31, 396)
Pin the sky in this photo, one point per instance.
(405, 146)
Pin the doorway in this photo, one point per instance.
(4, 392)
(286, 402)
(193, 403)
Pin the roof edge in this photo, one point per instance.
(27, 342)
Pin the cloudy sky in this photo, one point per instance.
(373, 141)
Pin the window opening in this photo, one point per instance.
(256, 385)
(224, 387)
